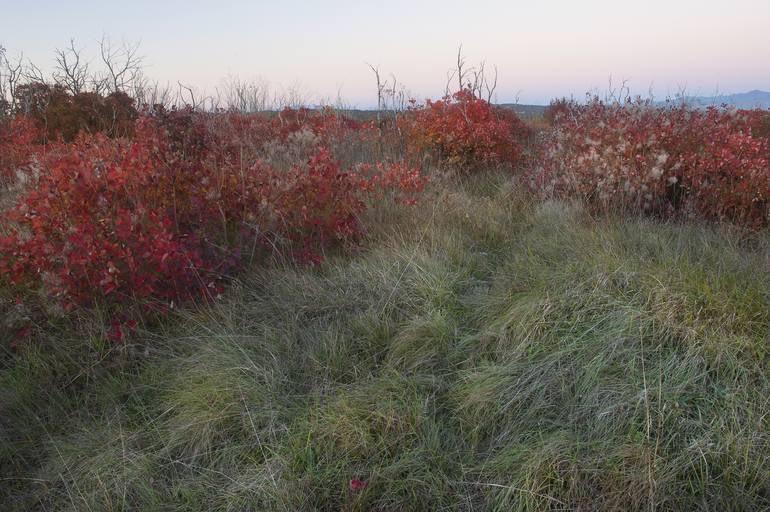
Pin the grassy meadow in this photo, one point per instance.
(481, 350)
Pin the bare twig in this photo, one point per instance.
(123, 64)
(71, 71)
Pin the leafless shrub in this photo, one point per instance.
(246, 96)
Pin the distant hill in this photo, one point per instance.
(524, 111)
(748, 100)
(751, 99)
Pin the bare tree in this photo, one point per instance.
(139, 87)
(33, 74)
(474, 79)
(460, 65)
(392, 96)
(481, 85)
(11, 74)
(123, 63)
(396, 97)
(157, 95)
(380, 89)
(458, 72)
(292, 96)
(246, 95)
(5, 104)
(492, 87)
(152, 94)
(71, 71)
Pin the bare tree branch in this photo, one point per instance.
(475, 79)
(460, 65)
(123, 64)
(491, 87)
(71, 72)
(32, 73)
(182, 89)
(380, 88)
(12, 73)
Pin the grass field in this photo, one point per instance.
(482, 351)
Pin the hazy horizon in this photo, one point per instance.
(545, 50)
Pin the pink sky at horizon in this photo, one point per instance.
(542, 50)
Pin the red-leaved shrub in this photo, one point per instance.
(466, 131)
(162, 216)
(557, 108)
(90, 226)
(61, 115)
(714, 164)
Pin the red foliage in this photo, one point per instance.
(183, 130)
(120, 328)
(557, 108)
(159, 217)
(356, 484)
(466, 131)
(713, 163)
(89, 227)
(312, 206)
(325, 123)
(234, 136)
(58, 114)
(17, 147)
(403, 181)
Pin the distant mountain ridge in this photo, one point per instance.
(746, 100)
(750, 99)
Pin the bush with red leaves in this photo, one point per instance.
(61, 115)
(312, 206)
(714, 164)
(404, 182)
(160, 217)
(466, 131)
(90, 226)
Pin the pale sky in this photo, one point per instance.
(542, 49)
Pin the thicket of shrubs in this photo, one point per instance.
(57, 114)
(164, 214)
(167, 208)
(712, 164)
(115, 206)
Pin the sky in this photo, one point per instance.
(542, 49)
